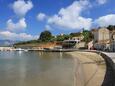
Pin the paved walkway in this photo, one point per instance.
(111, 55)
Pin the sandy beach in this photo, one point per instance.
(89, 67)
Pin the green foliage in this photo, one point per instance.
(53, 38)
(66, 36)
(88, 36)
(59, 38)
(63, 37)
(45, 36)
(27, 42)
(75, 34)
(111, 27)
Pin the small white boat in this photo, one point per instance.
(25, 50)
(19, 49)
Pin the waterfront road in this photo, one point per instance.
(111, 55)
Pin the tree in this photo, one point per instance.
(111, 27)
(60, 38)
(53, 38)
(66, 36)
(88, 36)
(45, 36)
(75, 34)
(63, 37)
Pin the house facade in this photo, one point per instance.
(74, 42)
(101, 35)
(112, 45)
(80, 37)
(104, 39)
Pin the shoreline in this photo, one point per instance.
(90, 68)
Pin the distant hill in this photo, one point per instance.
(7, 42)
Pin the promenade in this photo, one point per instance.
(111, 55)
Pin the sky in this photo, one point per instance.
(26, 19)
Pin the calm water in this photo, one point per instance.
(36, 69)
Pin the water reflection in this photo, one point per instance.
(35, 69)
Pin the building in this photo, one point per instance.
(80, 37)
(104, 39)
(69, 43)
(112, 45)
(101, 35)
(75, 42)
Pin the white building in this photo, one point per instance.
(74, 42)
(104, 39)
(80, 37)
(101, 35)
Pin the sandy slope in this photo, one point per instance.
(89, 69)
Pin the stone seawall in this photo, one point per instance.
(109, 79)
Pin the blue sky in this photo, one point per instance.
(25, 19)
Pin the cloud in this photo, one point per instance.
(14, 36)
(21, 7)
(70, 17)
(20, 25)
(105, 20)
(101, 2)
(41, 16)
(47, 27)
